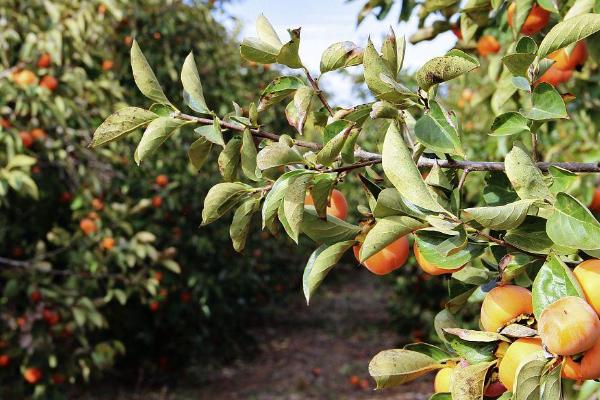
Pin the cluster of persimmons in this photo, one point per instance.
(565, 61)
(569, 328)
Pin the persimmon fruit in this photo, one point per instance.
(555, 76)
(568, 61)
(107, 243)
(26, 139)
(35, 296)
(51, 317)
(107, 65)
(38, 134)
(443, 380)
(156, 201)
(44, 61)
(4, 360)
(338, 206)
(162, 180)
(24, 77)
(588, 276)
(569, 326)
(49, 82)
(585, 367)
(486, 45)
(516, 353)
(494, 389)
(536, 20)
(97, 204)
(390, 258)
(428, 267)
(88, 226)
(595, 204)
(32, 375)
(503, 304)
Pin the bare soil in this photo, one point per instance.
(309, 352)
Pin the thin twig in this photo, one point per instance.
(534, 142)
(463, 179)
(423, 161)
(318, 91)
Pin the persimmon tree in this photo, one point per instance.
(512, 245)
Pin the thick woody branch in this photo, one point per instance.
(369, 158)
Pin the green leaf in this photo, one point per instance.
(144, 76)
(510, 123)
(121, 123)
(240, 225)
(199, 152)
(504, 91)
(475, 336)
(528, 382)
(501, 218)
(402, 172)
(276, 154)
(265, 48)
(321, 261)
(445, 68)
(430, 350)
(498, 189)
(431, 247)
(221, 198)
(192, 87)
(340, 55)
(562, 179)
(380, 79)
(248, 157)
(279, 89)
(518, 63)
(329, 231)
(395, 367)
(468, 383)
(573, 225)
(157, 132)
(521, 83)
(212, 133)
(320, 191)
(473, 352)
(390, 203)
(547, 104)
(293, 204)
(552, 384)
(297, 110)
(568, 32)
(525, 177)
(275, 195)
(437, 129)
(229, 159)
(554, 281)
(330, 152)
(393, 52)
(530, 236)
(288, 54)
(386, 231)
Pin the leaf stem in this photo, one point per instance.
(315, 86)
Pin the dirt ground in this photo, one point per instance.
(310, 352)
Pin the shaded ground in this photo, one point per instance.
(311, 352)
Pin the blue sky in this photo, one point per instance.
(325, 22)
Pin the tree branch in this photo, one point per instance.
(318, 91)
(375, 158)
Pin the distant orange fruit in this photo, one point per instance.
(555, 76)
(487, 45)
(158, 275)
(4, 123)
(354, 380)
(102, 9)
(35, 296)
(50, 316)
(154, 306)
(65, 197)
(38, 134)
(44, 61)
(128, 40)
(26, 139)
(32, 375)
(49, 82)
(536, 20)
(162, 180)
(24, 77)
(97, 204)
(88, 226)
(107, 65)
(4, 360)
(107, 243)
(156, 35)
(58, 379)
(156, 201)
(595, 204)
